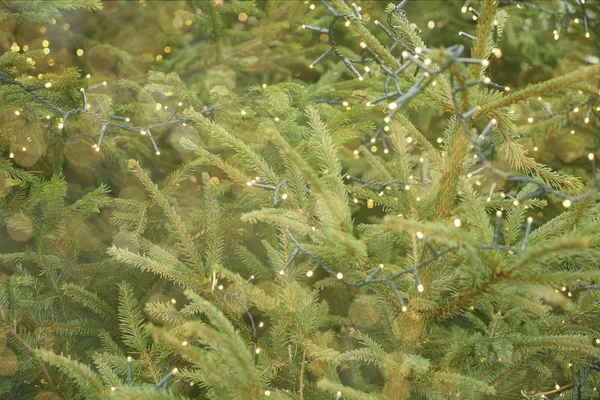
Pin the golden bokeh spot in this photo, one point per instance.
(66, 27)
(43, 29)
(45, 43)
(19, 227)
(6, 184)
(167, 49)
(324, 37)
(25, 48)
(46, 51)
(9, 363)
(132, 193)
(79, 52)
(364, 312)
(188, 22)
(79, 151)
(89, 237)
(51, 62)
(158, 57)
(242, 17)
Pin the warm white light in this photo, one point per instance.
(12, 155)
(309, 273)
(261, 324)
(420, 235)
(17, 112)
(498, 213)
(143, 132)
(339, 275)
(345, 103)
(257, 351)
(184, 343)
(157, 153)
(392, 105)
(485, 63)
(591, 156)
(284, 196)
(61, 125)
(420, 288)
(267, 392)
(457, 223)
(576, 109)
(409, 139)
(281, 272)
(363, 45)
(173, 301)
(516, 202)
(530, 120)
(404, 309)
(566, 203)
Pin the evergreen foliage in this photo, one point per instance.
(206, 216)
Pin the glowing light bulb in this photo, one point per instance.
(48, 84)
(420, 288)
(420, 235)
(12, 155)
(173, 301)
(157, 153)
(61, 125)
(457, 223)
(257, 351)
(309, 273)
(363, 45)
(404, 309)
(261, 324)
(284, 196)
(516, 202)
(566, 203)
(339, 275)
(485, 63)
(184, 343)
(498, 213)
(392, 105)
(591, 156)
(267, 392)
(281, 272)
(530, 120)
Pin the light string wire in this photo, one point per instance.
(105, 122)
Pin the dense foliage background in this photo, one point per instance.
(95, 245)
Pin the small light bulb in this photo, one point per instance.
(516, 202)
(281, 272)
(267, 392)
(12, 155)
(457, 223)
(420, 235)
(363, 45)
(498, 213)
(184, 343)
(392, 105)
(17, 112)
(420, 288)
(566, 203)
(409, 139)
(157, 153)
(61, 125)
(173, 301)
(591, 156)
(243, 112)
(345, 103)
(284, 196)
(261, 324)
(257, 351)
(576, 109)
(387, 120)
(309, 273)
(530, 120)
(485, 63)
(142, 132)
(339, 275)
(406, 187)
(48, 84)
(104, 83)
(404, 309)
(355, 200)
